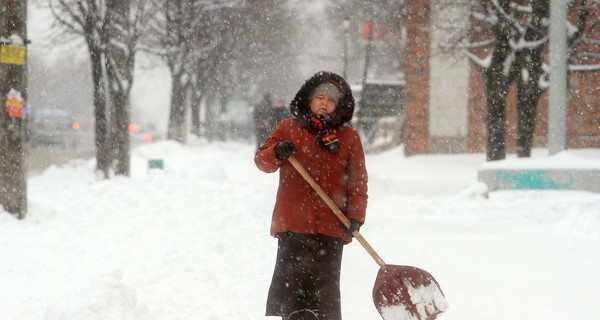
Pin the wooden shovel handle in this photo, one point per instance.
(335, 209)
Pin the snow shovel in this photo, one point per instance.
(400, 292)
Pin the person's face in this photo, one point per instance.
(322, 104)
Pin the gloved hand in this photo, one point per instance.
(354, 226)
(284, 150)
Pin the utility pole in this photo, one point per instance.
(557, 104)
(364, 124)
(346, 25)
(13, 106)
(369, 35)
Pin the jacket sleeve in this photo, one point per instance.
(265, 158)
(356, 188)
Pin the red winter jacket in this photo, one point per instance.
(342, 176)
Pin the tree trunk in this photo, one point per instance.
(196, 105)
(528, 96)
(212, 129)
(497, 82)
(527, 100)
(103, 154)
(529, 90)
(496, 120)
(177, 116)
(120, 75)
(121, 138)
(13, 77)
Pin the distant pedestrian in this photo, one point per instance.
(306, 279)
(280, 112)
(262, 119)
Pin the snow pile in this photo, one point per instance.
(104, 298)
(583, 159)
(192, 241)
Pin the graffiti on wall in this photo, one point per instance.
(534, 180)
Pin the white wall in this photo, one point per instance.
(449, 73)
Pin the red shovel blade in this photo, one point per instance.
(407, 293)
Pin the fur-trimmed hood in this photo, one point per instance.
(344, 110)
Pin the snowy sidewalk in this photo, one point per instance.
(191, 241)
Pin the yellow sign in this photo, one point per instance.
(12, 54)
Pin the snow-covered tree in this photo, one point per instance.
(508, 41)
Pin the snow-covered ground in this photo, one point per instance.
(191, 241)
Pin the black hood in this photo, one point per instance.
(344, 110)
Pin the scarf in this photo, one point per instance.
(321, 125)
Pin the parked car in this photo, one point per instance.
(142, 134)
(52, 127)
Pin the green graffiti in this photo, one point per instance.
(533, 180)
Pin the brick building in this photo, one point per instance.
(445, 95)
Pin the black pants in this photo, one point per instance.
(306, 276)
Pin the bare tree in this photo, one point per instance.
(128, 19)
(111, 29)
(221, 50)
(88, 19)
(119, 66)
(267, 48)
(182, 36)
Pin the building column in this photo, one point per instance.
(416, 72)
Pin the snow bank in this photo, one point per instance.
(192, 241)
